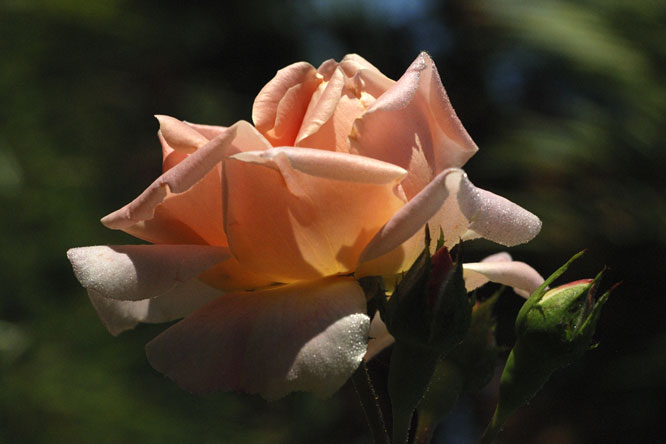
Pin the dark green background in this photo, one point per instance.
(566, 100)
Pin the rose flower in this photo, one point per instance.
(258, 232)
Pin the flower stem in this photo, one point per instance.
(370, 403)
(494, 427)
(425, 428)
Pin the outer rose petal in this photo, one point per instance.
(523, 278)
(502, 256)
(454, 205)
(306, 336)
(179, 135)
(279, 107)
(184, 205)
(311, 211)
(118, 316)
(192, 217)
(208, 131)
(178, 179)
(230, 275)
(414, 115)
(135, 272)
(380, 338)
(170, 156)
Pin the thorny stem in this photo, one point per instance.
(370, 403)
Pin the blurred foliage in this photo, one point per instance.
(566, 100)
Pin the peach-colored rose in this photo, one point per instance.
(257, 231)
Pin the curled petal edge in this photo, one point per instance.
(118, 316)
(135, 272)
(470, 212)
(186, 174)
(523, 278)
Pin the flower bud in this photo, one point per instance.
(553, 328)
(561, 323)
(557, 325)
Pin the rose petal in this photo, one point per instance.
(307, 336)
(118, 316)
(502, 256)
(134, 272)
(170, 157)
(179, 135)
(329, 118)
(523, 278)
(279, 107)
(322, 105)
(394, 262)
(410, 219)
(327, 164)
(380, 338)
(177, 180)
(327, 69)
(184, 205)
(365, 75)
(494, 217)
(208, 131)
(353, 63)
(454, 205)
(347, 91)
(230, 275)
(414, 114)
(192, 217)
(311, 217)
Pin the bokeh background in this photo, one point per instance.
(566, 100)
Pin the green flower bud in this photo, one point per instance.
(553, 328)
(560, 325)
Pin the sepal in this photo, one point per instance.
(428, 314)
(430, 307)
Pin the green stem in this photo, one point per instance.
(409, 376)
(370, 403)
(493, 429)
(425, 428)
(442, 395)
